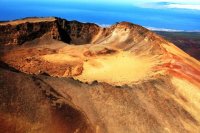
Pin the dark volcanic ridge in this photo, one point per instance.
(19, 31)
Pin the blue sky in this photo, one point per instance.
(156, 14)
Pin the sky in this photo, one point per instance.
(169, 15)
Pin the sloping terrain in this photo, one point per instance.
(29, 104)
(120, 79)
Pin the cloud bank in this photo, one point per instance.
(162, 29)
(184, 6)
(171, 5)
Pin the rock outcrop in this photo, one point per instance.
(56, 28)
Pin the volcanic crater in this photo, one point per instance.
(67, 76)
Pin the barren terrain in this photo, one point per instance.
(67, 76)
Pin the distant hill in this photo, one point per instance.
(187, 41)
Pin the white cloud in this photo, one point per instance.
(169, 30)
(104, 25)
(184, 6)
(173, 1)
(165, 4)
(162, 29)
